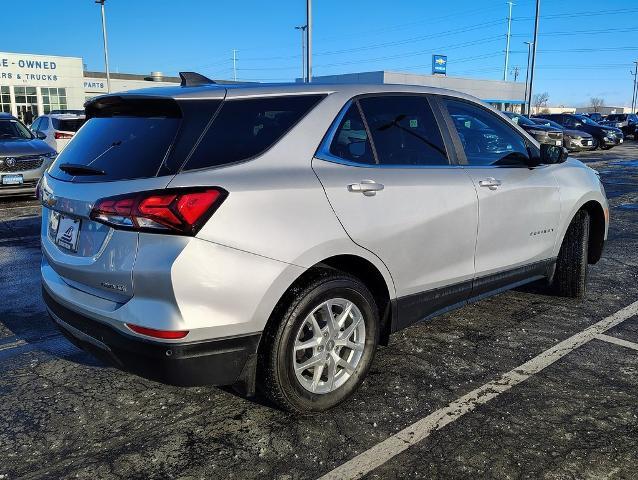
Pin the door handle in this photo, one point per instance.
(490, 183)
(368, 187)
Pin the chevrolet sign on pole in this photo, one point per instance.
(439, 64)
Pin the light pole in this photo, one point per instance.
(309, 40)
(106, 46)
(633, 95)
(529, 55)
(507, 42)
(234, 64)
(302, 28)
(531, 73)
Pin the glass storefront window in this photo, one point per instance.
(53, 99)
(5, 99)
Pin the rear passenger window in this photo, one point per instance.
(486, 139)
(244, 129)
(404, 130)
(351, 140)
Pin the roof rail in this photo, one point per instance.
(193, 79)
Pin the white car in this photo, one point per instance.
(57, 130)
(275, 235)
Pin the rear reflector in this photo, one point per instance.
(164, 334)
(177, 211)
(63, 136)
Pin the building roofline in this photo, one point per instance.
(129, 76)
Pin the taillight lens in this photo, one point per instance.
(63, 136)
(177, 211)
(163, 334)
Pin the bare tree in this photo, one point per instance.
(540, 100)
(595, 103)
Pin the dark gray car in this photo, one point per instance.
(574, 140)
(23, 157)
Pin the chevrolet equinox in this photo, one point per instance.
(271, 236)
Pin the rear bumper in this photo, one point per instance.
(213, 362)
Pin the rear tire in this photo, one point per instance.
(281, 354)
(570, 276)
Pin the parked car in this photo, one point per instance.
(604, 137)
(23, 157)
(574, 140)
(627, 122)
(71, 111)
(57, 129)
(275, 235)
(543, 134)
(595, 116)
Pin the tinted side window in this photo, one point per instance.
(351, 140)
(244, 129)
(44, 123)
(404, 130)
(36, 124)
(486, 139)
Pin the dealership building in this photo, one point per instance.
(41, 83)
(508, 95)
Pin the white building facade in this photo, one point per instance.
(32, 85)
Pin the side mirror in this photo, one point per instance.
(552, 154)
(40, 135)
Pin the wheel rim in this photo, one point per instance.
(329, 345)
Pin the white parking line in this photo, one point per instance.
(387, 449)
(617, 341)
(16, 344)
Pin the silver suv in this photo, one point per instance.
(270, 237)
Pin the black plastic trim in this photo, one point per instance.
(212, 362)
(421, 306)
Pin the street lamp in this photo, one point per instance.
(302, 28)
(106, 47)
(534, 47)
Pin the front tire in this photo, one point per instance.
(320, 345)
(570, 276)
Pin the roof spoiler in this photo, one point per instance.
(194, 79)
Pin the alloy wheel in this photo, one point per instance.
(329, 345)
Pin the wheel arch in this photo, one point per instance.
(365, 270)
(597, 232)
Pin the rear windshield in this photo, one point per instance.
(68, 125)
(244, 129)
(121, 147)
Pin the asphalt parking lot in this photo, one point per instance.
(516, 386)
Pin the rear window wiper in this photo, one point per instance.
(75, 169)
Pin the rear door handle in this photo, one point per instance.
(490, 183)
(368, 187)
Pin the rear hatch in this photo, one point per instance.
(66, 127)
(129, 144)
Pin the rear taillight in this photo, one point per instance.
(63, 136)
(177, 211)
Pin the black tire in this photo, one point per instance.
(595, 144)
(276, 378)
(570, 276)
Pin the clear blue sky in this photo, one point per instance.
(586, 47)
